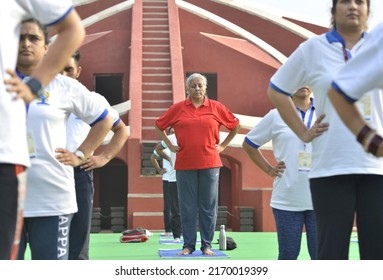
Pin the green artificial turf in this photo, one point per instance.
(250, 246)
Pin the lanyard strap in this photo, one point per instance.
(346, 54)
(303, 114)
(310, 117)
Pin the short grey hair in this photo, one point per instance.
(194, 76)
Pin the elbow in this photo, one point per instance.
(245, 146)
(77, 27)
(122, 130)
(108, 122)
(238, 127)
(80, 34)
(270, 94)
(274, 96)
(125, 133)
(105, 123)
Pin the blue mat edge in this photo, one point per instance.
(196, 254)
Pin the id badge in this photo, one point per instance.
(304, 161)
(31, 146)
(364, 106)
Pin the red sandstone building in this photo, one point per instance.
(142, 51)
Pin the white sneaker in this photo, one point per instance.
(177, 240)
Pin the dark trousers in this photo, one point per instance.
(81, 221)
(336, 200)
(8, 208)
(198, 195)
(167, 206)
(175, 210)
(47, 237)
(290, 225)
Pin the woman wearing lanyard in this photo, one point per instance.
(291, 197)
(339, 181)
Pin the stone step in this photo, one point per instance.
(155, 41)
(156, 55)
(148, 146)
(146, 22)
(156, 48)
(159, 27)
(159, 3)
(150, 112)
(152, 78)
(156, 104)
(155, 15)
(158, 96)
(150, 134)
(146, 87)
(146, 163)
(148, 171)
(152, 62)
(148, 121)
(155, 34)
(156, 70)
(154, 9)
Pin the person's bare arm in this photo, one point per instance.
(222, 146)
(95, 137)
(15, 85)
(257, 157)
(346, 111)
(154, 159)
(286, 109)
(71, 34)
(161, 153)
(115, 145)
(165, 138)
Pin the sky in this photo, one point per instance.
(314, 11)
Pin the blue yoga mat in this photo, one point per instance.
(171, 241)
(172, 254)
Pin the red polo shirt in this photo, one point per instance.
(197, 132)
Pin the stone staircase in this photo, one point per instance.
(147, 167)
(156, 73)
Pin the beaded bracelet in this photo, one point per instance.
(363, 133)
(374, 144)
(367, 140)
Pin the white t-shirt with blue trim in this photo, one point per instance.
(171, 172)
(13, 141)
(315, 63)
(365, 71)
(51, 189)
(291, 192)
(77, 130)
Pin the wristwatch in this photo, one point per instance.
(35, 86)
(80, 156)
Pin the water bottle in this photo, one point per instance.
(222, 238)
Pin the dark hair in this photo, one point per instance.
(334, 2)
(169, 130)
(42, 28)
(76, 57)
